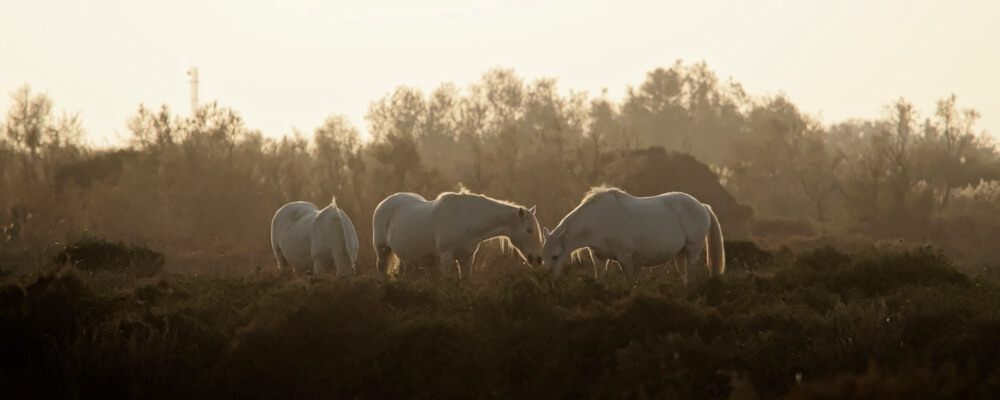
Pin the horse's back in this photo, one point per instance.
(291, 232)
(689, 210)
(399, 200)
(642, 219)
(290, 213)
(403, 222)
(681, 199)
(652, 228)
(456, 208)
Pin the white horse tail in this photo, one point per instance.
(715, 250)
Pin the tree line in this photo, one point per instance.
(208, 183)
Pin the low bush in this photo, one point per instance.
(93, 254)
(827, 325)
(745, 255)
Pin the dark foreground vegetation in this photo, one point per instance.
(822, 324)
(121, 320)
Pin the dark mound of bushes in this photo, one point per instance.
(829, 325)
(93, 254)
(872, 274)
(745, 255)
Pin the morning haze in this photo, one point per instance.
(698, 200)
(286, 64)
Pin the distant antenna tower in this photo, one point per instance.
(193, 74)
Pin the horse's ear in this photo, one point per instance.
(532, 209)
(546, 233)
(520, 212)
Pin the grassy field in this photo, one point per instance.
(822, 324)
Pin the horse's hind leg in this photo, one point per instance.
(320, 266)
(447, 263)
(280, 257)
(694, 252)
(680, 261)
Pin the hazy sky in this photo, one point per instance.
(292, 63)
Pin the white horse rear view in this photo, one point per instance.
(307, 238)
(637, 232)
(450, 229)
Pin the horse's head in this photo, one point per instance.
(553, 253)
(525, 235)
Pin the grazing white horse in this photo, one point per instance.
(450, 229)
(637, 231)
(307, 238)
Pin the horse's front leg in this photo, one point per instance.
(628, 268)
(600, 265)
(682, 265)
(465, 265)
(447, 263)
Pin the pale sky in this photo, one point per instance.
(293, 63)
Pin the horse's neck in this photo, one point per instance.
(494, 222)
(502, 229)
(574, 232)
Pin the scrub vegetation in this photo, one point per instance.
(861, 254)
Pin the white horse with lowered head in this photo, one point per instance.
(310, 239)
(450, 229)
(637, 231)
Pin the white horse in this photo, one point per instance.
(450, 229)
(637, 231)
(307, 238)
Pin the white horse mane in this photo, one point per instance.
(598, 192)
(595, 194)
(465, 194)
(592, 196)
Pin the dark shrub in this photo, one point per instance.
(36, 322)
(641, 173)
(810, 328)
(92, 255)
(883, 273)
(912, 382)
(745, 255)
(825, 258)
